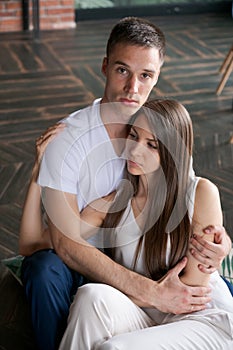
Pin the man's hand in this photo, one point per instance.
(211, 254)
(178, 298)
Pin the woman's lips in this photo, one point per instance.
(133, 164)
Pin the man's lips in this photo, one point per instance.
(128, 101)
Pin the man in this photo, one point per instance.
(83, 163)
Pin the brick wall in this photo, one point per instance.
(10, 15)
(54, 14)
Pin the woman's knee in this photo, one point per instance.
(96, 292)
(110, 345)
(92, 298)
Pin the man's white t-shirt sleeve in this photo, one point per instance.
(60, 166)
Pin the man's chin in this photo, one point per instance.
(122, 111)
(127, 110)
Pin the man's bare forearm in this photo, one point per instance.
(98, 267)
(170, 295)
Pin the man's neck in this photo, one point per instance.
(116, 130)
(117, 134)
(113, 120)
(116, 125)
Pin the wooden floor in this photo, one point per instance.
(42, 81)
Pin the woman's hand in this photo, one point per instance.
(41, 144)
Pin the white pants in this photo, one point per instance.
(102, 318)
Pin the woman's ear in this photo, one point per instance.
(104, 66)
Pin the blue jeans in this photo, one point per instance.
(49, 285)
(229, 285)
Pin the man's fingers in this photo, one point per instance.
(214, 229)
(201, 300)
(201, 244)
(204, 251)
(196, 307)
(206, 269)
(196, 301)
(200, 296)
(203, 259)
(207, 264)
(180, 266)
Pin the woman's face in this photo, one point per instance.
(142, 149)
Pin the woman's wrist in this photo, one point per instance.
(35, 171)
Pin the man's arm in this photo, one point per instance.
(169, 295)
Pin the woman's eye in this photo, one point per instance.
(132, 136)
(154, 146)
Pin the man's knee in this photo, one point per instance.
(43, 265)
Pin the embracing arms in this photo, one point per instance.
(169, 295)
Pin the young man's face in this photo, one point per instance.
(131, 72)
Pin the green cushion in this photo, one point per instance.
(14, 265)
(226, 269)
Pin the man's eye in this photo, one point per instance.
(145, 76)
(122, 70)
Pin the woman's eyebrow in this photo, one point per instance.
(154, 138)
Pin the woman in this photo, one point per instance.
(158, 150)
(175, 204)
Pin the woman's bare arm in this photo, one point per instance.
(33, 235)
(207, 210)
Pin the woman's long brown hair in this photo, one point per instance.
(166, 211)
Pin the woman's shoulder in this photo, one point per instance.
(207, 200)
(207, 207)
(206, 188)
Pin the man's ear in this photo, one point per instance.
(104, 66)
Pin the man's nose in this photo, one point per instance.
(132, 85)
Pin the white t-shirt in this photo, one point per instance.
(81, 159)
